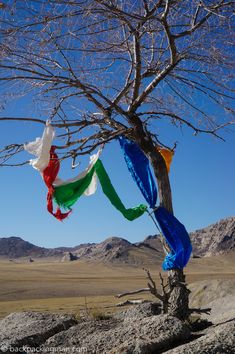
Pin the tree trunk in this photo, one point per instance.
(179, 298)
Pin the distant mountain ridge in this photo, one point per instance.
(113, 249)
(215, 239)
(218, 238)
(16, 247)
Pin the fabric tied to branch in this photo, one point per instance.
(49, 175)
(174, 232)
(138, 165)
(176, 237)
(41, 148)
(67, 194)
(92, 187)
(167, 154)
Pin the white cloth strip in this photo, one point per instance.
(93, 159)
(40, 147)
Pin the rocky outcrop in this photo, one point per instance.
(222, 309)
(110, 249)
(145, 335)
(118, 250)
(69, 257)
(139, 334)
(137, 330)
(31, 329)
(152, 241)
(215, 239)
(216, 294)
(218, 339)
(139, 311)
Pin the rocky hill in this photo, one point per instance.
(218, 238)
(15, 247)
(152, 241)
(119, 250)
(215, 239)
(113, 249)
(110, 249)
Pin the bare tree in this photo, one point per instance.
(112, 67)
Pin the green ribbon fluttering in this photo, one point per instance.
(66, 195)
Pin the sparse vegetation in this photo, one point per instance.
(100, 316)
(30, 286)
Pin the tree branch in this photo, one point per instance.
(141, 98)
(143, 290)
(137, 66)
(200, 311)
(203, 20)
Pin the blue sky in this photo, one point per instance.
(202, 178)
(202, 174)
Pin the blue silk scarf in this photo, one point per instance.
(174, 232)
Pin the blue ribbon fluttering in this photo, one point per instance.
(138, 165)
(177, 238)
(174, 232)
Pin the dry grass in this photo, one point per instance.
(66, 287)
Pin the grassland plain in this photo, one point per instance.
(80, 286)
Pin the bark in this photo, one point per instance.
(179, 298)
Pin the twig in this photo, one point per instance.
(199, 310)
(133, 292)
(152, 286)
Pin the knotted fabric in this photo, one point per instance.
(49, 175)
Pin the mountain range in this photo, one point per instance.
(216, 239)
